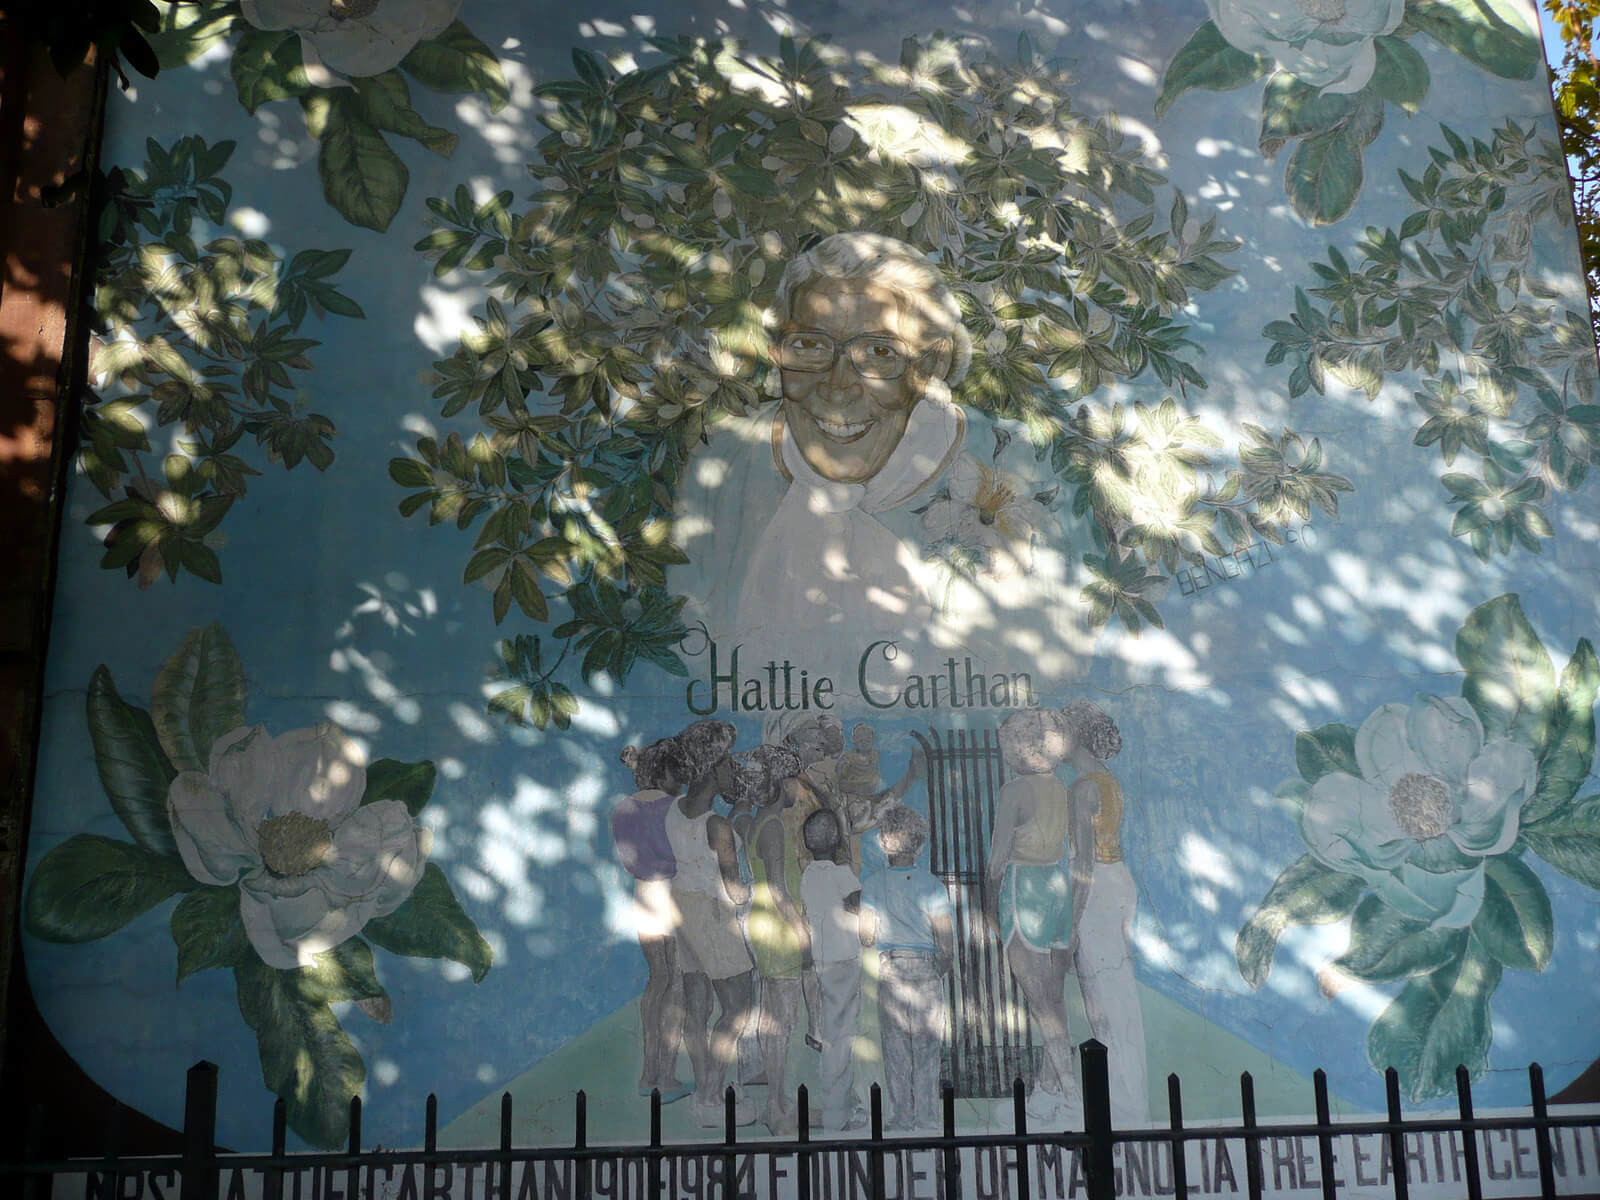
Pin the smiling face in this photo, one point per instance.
(845, 424)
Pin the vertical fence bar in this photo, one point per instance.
(505, 1145)
(1019, 1119)
(1541, 1131)
(112, 1141)
(876, 1161)
(655, 1144)
(730, 1126)
(353, 1174)
(1469, 1135)
(1319, 1085)
(430, 1143)
(1397, 1135)
(952, 1156)
(580, 1141)
(1252, 1143)
(1101, 1165)
(200, 1133)
(272, 1182)
(802, 1135)
(1180, 1158)
(34, 1187)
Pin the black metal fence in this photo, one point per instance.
(1023, 1164)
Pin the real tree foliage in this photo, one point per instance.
(1577, 91)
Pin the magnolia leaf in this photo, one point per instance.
(1569, 750)
(1437, 1022)
(1493, 34)
(1207, 60)
(1570, 841)
(1307, 893)
(432, 924)
(208, 931)
(1319, 752)
(133, 768)
(1510, 681)
(362, 178)
(90, 886)
(1324, 176)
(1384, 945)
(307, 1059)
(199, 695)
(1515, 923)
(410, 783)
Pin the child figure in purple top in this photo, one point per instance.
(639, 831)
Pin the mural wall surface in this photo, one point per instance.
(771, 543)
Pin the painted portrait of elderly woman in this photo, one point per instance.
(785, 515)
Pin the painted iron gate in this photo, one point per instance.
(988, 1036)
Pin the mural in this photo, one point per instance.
(844, 525)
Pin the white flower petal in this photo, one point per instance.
(1383, 752)
(214, 848)
(1446, 735)
(283, 14)
(285, 919)
(377, 858)
(320, 772)
(1448, 901)
(1489, 808)
(1351, 67)
(941, 517)
(1347, 823)
(244, 768)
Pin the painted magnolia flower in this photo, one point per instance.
(1324, 43)
(1432, 802)
(282, 817)
(989, 512)
(352, 38)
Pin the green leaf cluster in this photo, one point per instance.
(90, 886)
(1442, 1014)
(1330, 131)
(363, 179)
(626, 317)
(1506, 375)
(533, 698)
(201, 339)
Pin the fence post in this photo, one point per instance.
(802, 1135)
(1319, 1083)
(1100, 1168)
(505, 1147)
(1252, 1143)
(1469, 1133)
(952, 1156)
(1397, 1136)
(1180, 1148)
(1541, 1130)
(875, 1162)
(200, 1133)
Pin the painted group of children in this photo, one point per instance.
(762, 909)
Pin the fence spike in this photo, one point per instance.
(875, 1160)
(355, 1125)
(430, 1143)
(1469, 1138)
(1319, 1087)
(272, 1182)
(730, 1123)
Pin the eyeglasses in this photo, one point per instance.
(873, 356)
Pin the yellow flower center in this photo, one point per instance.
(1324, 11)
(1421, 805)
(294, 843)
(347, 10)
(992, 498)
